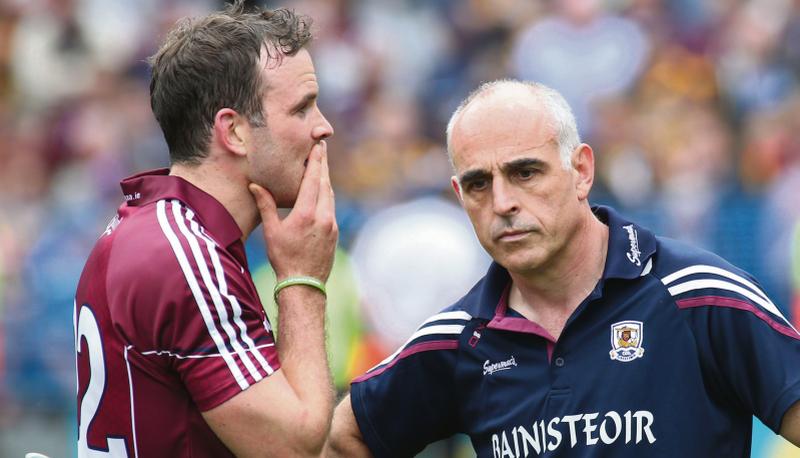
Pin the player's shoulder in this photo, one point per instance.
(162, 265)
(159, 250)
(163, 235)
(138, 237)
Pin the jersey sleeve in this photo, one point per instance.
(409, 399)
(196, 312)
(749, 351)
(225, 326)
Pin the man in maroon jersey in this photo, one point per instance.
(175, 355)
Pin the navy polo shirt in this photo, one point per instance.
(670, 355)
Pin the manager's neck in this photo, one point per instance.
(571, 276)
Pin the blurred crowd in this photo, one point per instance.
(692, 108)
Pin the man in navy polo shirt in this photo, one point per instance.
(175, 355)
(588, 336)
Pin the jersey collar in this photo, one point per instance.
(630, 248)
(154, 185)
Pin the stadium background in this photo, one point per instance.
(692, 107)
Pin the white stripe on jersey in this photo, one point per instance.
(209, 355)
(177, 248)
(455, 315)
(693, 285)
(647, 267)
(222, 311)
(211, 246)
(437, 329)
(133, 417)
(703, 269)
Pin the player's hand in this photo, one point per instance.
(302, 243)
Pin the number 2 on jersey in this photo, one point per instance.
(86, 327)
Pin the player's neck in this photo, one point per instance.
(571, 277)
(226, 187)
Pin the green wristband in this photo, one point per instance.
(292, 281)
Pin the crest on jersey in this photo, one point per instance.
(626, 341)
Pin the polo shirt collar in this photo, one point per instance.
(630, 248)
(151, 186)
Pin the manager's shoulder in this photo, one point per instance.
(472, 306)
(679, 259)
(455, 315)
(697, 278)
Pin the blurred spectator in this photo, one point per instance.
(584, 52)
(407, 39)
(51, 59)
(781, 197)
(748, 69)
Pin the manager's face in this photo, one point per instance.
(522, 202)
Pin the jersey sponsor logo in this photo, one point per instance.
(134, 196)
(626, 341)
(633, 254)
(490, 368)
(586, 429)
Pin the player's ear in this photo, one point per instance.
(583, 169)
(231, 131)
(456, 188)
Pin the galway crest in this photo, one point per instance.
(626, 341)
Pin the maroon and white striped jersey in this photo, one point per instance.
(168, 324)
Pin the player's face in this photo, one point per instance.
(294, 124)
(522, 203)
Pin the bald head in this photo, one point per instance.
(515, 102)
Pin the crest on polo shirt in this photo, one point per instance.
(626, 341)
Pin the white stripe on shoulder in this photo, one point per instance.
(694, 285)
(211, 287)
(430, 330)
(705, 269)
(454, 315)
(761, 297)
(647, 267)
(211, 246)
(180, 254)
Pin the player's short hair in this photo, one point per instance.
(211, 62)
(561, 117)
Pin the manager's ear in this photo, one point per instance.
(456, 188)
(583, 169)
